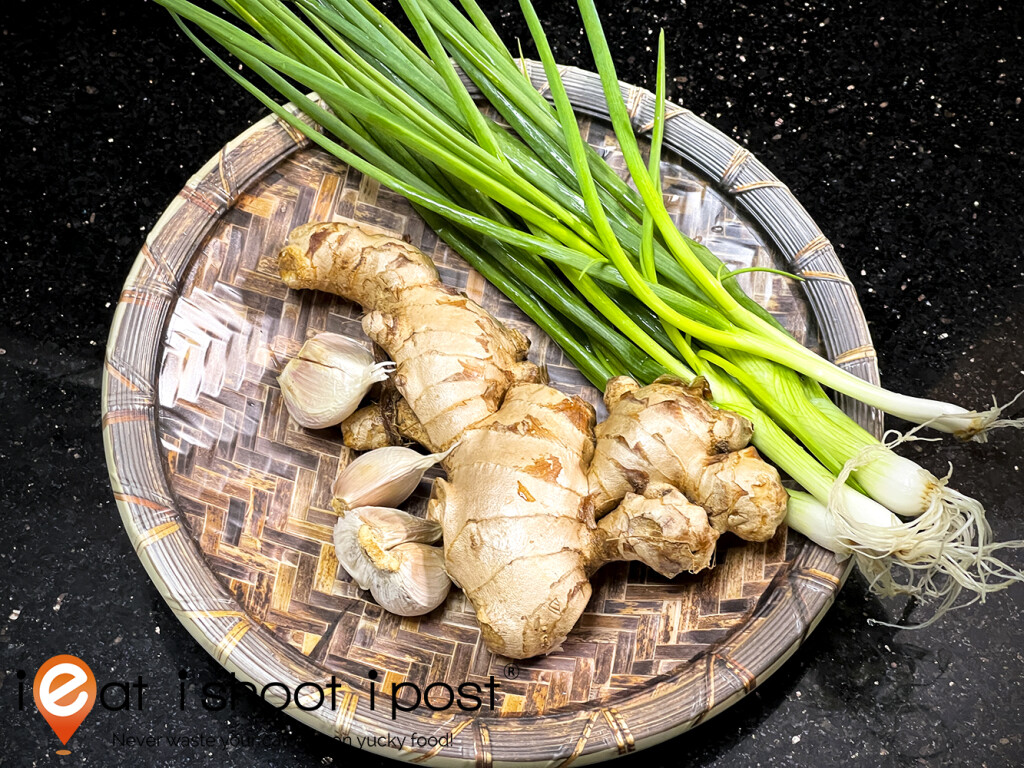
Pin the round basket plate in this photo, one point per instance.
(227, 501)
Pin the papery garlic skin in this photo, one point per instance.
(324, 384)
(351, 555)
(317, 396)
(387, 552)
(419, 584)
(382, 477)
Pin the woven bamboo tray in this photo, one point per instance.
(227, 502)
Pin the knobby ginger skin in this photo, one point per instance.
(453, 360)
(661, 528)
(514, 518)
(667, 432)
(519, 532)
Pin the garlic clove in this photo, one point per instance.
(393, 526)
(382, 477)
(419, 584)
(324, 384)
(351, 555)
(316, 396)
(335, 350)
(360, 535)
(387, 552)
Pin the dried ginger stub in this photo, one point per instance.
(390, 421)
(667, 432)
(454, 361)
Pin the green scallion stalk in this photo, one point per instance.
(648, 264)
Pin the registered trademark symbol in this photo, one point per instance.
(511, 671)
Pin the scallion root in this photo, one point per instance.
(977, 424)
(945, 417)
(934, 556)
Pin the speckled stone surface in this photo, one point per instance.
(899, 130)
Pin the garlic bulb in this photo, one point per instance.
(388, 552)
(324, 383)
(382, 477)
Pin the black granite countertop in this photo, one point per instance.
(898, 125)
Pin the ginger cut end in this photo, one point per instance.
(294, 262)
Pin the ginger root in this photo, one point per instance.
(667, 432)
(453, 360)
(514, 516)
(519, 532)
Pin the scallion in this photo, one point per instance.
(599, 266)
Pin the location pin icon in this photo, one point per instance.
(65, 690)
